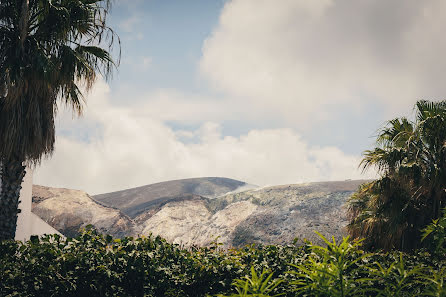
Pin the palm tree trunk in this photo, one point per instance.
(24, 17)
(12, 173)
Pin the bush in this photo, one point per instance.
(96, 265)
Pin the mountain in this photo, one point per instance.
(201, 210)
(287, 212)
(69, 210)
(138, 200)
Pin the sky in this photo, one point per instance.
(264, 91)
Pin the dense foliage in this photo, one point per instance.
(98, 265)
(411, 158)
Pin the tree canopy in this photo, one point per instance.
(410, 157)
(49, 50)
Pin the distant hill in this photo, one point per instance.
(287, 212)
(69, 210)
(135, 201)
(197, 211)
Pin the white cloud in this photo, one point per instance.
(292, 62)
(184, 107)
(300, 58)
(133, 148)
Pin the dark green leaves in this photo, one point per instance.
(50, 50)
(410, 156)
(97, 265)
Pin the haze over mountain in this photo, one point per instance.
(196, 211)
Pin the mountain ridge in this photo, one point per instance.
(274, 214)
(129, 200)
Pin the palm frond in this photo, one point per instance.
(66, 44)
(411, 159)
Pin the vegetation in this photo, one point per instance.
(97, 265)
(411, 158)
(48, 51)
(404, 209)
(434, 235)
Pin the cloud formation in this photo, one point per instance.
(310, 65)
(301, 58)
(132, 148)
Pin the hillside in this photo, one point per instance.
(291, 211)
(69, 210)
(276, 214)
(138, 200)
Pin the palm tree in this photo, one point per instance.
(49, 50)
(411, 159)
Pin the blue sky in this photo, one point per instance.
(170, 34)
(269, 92)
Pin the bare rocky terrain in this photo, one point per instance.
(203, 210)
(70, 210)
(141, 199)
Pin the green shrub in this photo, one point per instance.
(332, 270)
(434, 235)
(395, 279)
(96, 265)
(262, 285)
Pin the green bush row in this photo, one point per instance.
(97, 265)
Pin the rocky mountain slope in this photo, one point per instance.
(138, 200)
(200, 211)
(69, 210)
(291, 211)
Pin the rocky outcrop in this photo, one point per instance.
(69, 210)
(288, 212)
(191, 222)
(268, 215)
